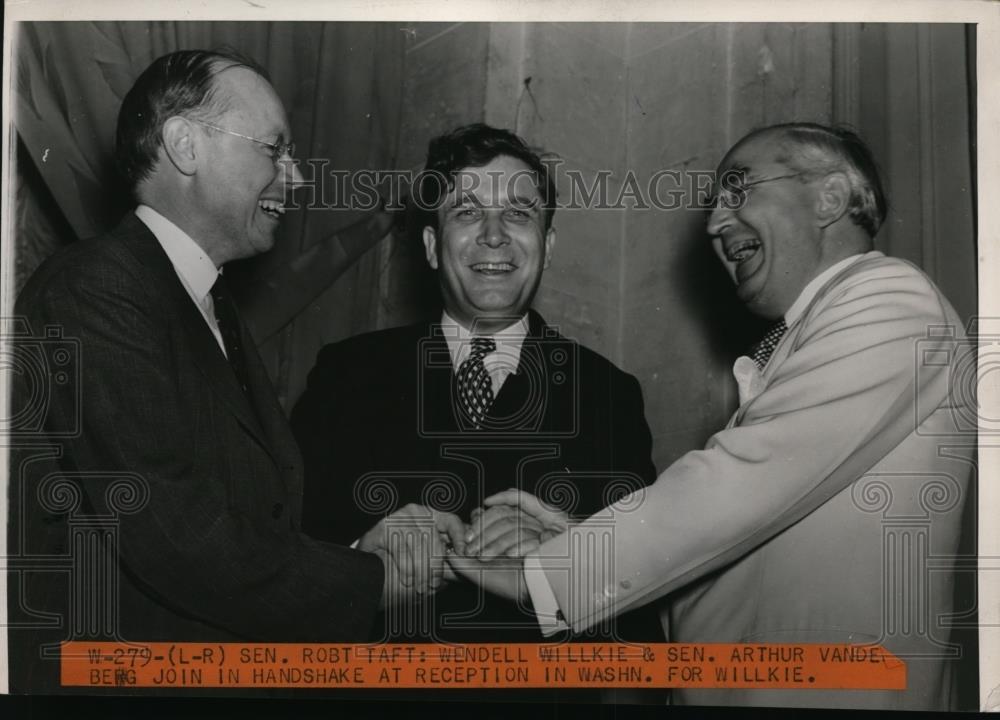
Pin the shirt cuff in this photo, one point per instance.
(550, 618)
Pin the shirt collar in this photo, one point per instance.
(195, 269)
(511, 339)
(814, 286)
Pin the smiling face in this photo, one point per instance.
(240, 189)
(772, 244)
(490, 247)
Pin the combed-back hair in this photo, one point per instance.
(818, 149)
(474, 145)
(181, 83)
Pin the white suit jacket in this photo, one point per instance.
(828, 510)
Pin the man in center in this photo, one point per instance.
(444, 414)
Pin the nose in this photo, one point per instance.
(493, 234)
(289, 171)
(719, 218)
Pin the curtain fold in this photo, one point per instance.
(915, 105)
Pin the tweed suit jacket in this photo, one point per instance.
(202, 482)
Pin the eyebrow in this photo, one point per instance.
(530, 202)
(278, 133)
(465, 199)
(733, 175)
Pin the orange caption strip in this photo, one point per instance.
(576, 665)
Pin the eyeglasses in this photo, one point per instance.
(278, 150)
(732, 193)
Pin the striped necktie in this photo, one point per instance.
(475, 389)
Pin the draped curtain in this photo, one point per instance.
(340, 83)
(910, 91)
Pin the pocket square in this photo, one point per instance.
(749, 379)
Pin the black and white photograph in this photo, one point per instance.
(417, 328)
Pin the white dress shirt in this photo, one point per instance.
(195, 269)
(750, 381)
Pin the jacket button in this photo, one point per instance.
(277, 510)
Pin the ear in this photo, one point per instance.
(833, 200)
(430, 246)
(550, 242)
(179, 144)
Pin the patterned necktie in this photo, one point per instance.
(229, 327)
(761, 352)
(475, 389)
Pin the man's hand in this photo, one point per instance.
(513, 524)
(501, 576)
(503, 531)
(413, 543)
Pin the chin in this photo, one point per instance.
(494, 304)
(746, 295)
(261, 245)
(497, 313)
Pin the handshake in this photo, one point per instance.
(423, 549)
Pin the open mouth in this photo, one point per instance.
(742, 250)
(493, 268)
(274, 208)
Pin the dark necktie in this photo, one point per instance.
(475, 389)
(229, 327)
(761, 352)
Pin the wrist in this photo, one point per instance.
(383, 601)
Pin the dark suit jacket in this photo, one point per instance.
(201, 483)
(378, 429)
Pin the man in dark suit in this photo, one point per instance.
(444, 414)
(166, 477)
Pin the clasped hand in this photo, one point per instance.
(510, 525)
(413, 543)
(423, 549)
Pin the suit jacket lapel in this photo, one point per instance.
(531, 375)
(435, 396)
(207, 355)
(281, 444)
(790, 340)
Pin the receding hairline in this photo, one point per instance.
(786, 149)
(811, 149)
(221, 97)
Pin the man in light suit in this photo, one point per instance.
(816, 514)
(172, 443)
